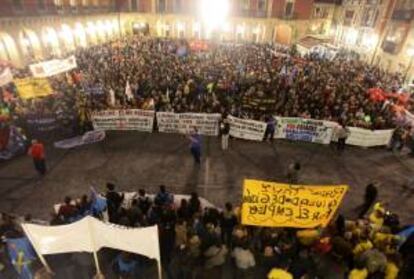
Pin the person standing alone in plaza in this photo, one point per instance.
(225, 132)
(37, 152)
(195, 145)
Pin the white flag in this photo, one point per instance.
(6, 76)
(111, 97)
(128, 92)
(90, 235)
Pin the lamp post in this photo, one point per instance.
(410, 53)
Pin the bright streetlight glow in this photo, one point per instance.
(214, 13)
(410, 52)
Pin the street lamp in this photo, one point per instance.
(410, 53)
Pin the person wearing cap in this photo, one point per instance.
(37, 152)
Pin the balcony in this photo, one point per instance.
(403, 15)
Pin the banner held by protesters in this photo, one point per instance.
(273, 204)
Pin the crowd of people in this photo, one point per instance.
(245, 80)
(198, 241)
(248, 81)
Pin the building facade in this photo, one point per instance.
(38, 28)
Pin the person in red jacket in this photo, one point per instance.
(37, 152)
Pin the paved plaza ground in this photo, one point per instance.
(134, 160)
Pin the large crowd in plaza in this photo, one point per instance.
(248, 81)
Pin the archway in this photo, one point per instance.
(50, 41)
(91, 32)
(100, 28)
(66, 36)
(8, 48)
(30, 44)
(80, 35)
(283, 34)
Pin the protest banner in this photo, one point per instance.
(87, 138)
(90, 235)
(127, 119)
(53, 67)
(33, 87)
(42, 123)
(273, 204)
(246, 129)
(183, 123)
(6, 76)
(302, 129)
(368, 138)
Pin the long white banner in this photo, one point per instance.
(6, 76)
(182, 123)
(53, 67)
(90, 235)
(302, 129)
(246, 128)
(368, 138)
(128, 119)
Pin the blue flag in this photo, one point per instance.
(21, 255)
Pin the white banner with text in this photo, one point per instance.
(246, 128)
(301, 129)
(53, 67)
(183, 123)
(126, 119)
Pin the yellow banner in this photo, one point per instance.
(272, 204)
(33, 87)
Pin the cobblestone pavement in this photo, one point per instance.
(135, 160)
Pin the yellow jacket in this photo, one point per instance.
(358, 274)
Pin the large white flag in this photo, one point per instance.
(128, 91)
(90, 235)
(60, 239)
(6, 76)
(112, 99)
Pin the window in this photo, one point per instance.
(369, 17)
(178, 5)
(261, 5)
(349, 17)
(134, 5)
(245, 4)
(289, 9)
(18, 5)
(161, 6)
(41, 4)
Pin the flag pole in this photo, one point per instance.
(95, 255)
(35, 246)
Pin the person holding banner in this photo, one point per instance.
(37, 152)
(270, 128)
(195, 145)
(342, 133)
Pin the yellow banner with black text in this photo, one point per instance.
(33, 87)
(271, 204)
